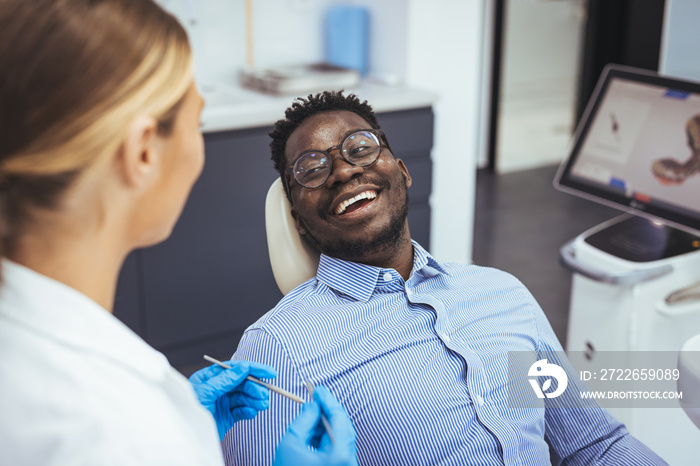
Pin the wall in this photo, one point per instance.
(444, 54)
(538, 88)
(680, 46)
(284, 33)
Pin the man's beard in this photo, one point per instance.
(356, 250)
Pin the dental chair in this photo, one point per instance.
(292, 258)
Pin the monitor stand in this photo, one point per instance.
(638, 239)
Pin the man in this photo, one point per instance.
(416, 350)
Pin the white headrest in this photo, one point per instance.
(293, 260)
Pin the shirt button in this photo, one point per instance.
(387, 276)
(480, 400)
(445, 337)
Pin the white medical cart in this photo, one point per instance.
(635, 288)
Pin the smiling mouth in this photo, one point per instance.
(354, 203)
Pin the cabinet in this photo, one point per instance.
(198, 291)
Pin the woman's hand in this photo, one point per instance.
(308, 431)
(227, 394)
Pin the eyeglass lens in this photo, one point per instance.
(313, 168)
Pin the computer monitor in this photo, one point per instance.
(637, 147)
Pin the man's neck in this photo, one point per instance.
(404, 260)
(399, 256)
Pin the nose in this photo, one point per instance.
(342, 171)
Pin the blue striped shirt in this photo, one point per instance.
(421, 368)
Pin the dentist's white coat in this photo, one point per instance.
(77, 387)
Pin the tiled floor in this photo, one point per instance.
(521, 221)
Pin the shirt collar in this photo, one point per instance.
(360, 280)
(68, 317)
(425, 263)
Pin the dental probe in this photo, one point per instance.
(324, 419)
(275, 389)
(291, 396)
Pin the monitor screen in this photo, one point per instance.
(637, 147)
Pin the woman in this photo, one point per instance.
(99, 148)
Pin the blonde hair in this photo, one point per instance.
(75, 74)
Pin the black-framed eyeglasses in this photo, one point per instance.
(313, 167)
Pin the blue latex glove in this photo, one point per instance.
(308, 431)
(227, 394)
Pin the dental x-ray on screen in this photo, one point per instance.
(637, 147)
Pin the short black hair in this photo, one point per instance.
(302, 109)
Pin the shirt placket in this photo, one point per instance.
(477, 380)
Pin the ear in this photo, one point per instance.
(298, 222)
(295, 215)
(404, 172)
(287, 185)
(139, 155)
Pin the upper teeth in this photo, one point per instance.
(363, 195)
